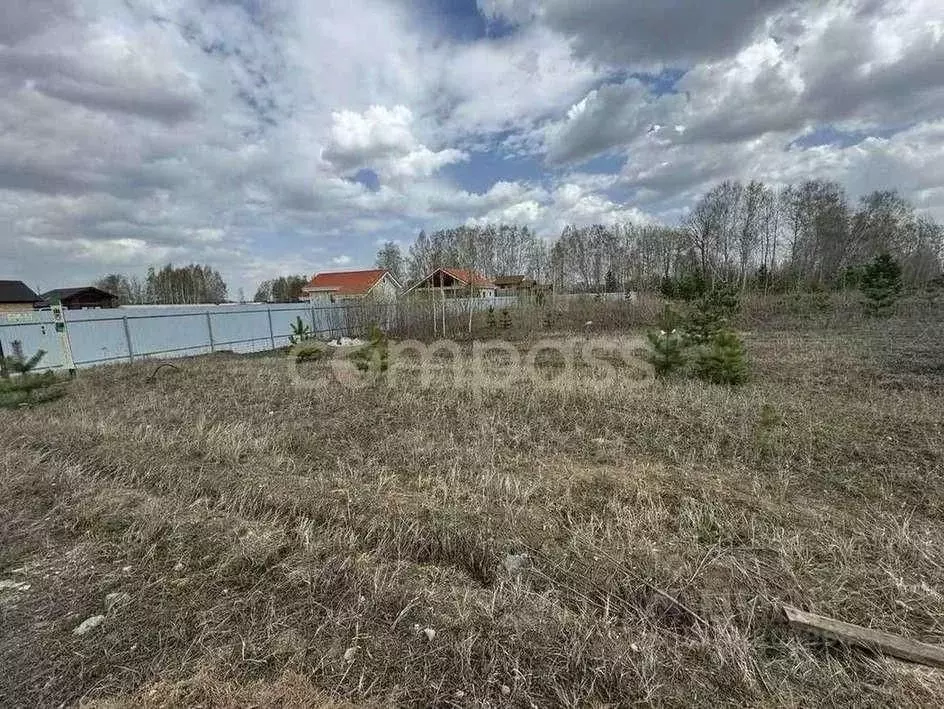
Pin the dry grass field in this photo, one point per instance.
(321, 546)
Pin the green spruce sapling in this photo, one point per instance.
(300, 332)
(25, 387)
(490, 320)
(374, 357)
(722, 360)
(881, 285)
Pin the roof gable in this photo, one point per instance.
(465, 276)
(17, 292)
(66, 293)
(348, 282)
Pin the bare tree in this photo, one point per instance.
(390, 258)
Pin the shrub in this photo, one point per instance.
(505, 318)
(667, 352)
(881, 285)
(375, 355)
(490, 320)
(711, 314)
(701, 337)
(722, 361)
(309, 352)
(26, 388)
(670, 319)
(690, 286)
(300, 332)
(667, 288)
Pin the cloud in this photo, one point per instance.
(843, 63)
(23, 19)
(646, 33)
(241, 133)
(382, 139)
(667, 176)
(608, 117)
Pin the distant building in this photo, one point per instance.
(515, 286)
(82, 297)
(16, 296)
(374, 284)
(453, 283)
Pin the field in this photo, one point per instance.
(600, 542)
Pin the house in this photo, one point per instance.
(16, 296)
(515, 286)
(376, 284)
(82, 297)
(453, 283)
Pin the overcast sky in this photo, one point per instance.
(267, 137)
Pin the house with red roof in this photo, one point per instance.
(332, 286)
(453, 283)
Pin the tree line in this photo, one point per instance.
(185, 285)
(750, 235)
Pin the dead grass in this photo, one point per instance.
(289, 546)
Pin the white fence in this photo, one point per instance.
(130, 333)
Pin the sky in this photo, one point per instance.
(268, 137)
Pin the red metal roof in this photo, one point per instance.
(347, 282)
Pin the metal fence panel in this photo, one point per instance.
(101, 336)
(34, 331)
(240, 330)
(97, 341)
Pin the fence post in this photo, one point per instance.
(311, 314)
(124, 321)
(59, 322)
(271, 331)
(210, 331)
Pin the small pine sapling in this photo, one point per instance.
(711, 314)
(26, 387)
(668, 347)
(309, 352)
(667, 352)
(881, 285)
(722, 360)
(490, 320)
(300, 332)
(505, 318)
(374, 357)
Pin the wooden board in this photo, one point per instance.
(878, 640)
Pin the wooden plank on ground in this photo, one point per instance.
(878, 640)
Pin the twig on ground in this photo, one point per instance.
(161, 366)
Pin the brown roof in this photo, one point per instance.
(513, 281)
(17, 292)
(64, 294)
(347, 282)
(469, 277)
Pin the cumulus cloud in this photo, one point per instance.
(382, 139)
(239, 133)
(847, 64)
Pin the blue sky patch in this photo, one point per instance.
(462, 20)
(482, 170)
(662, 83)
(368, 178)
(838, 138)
